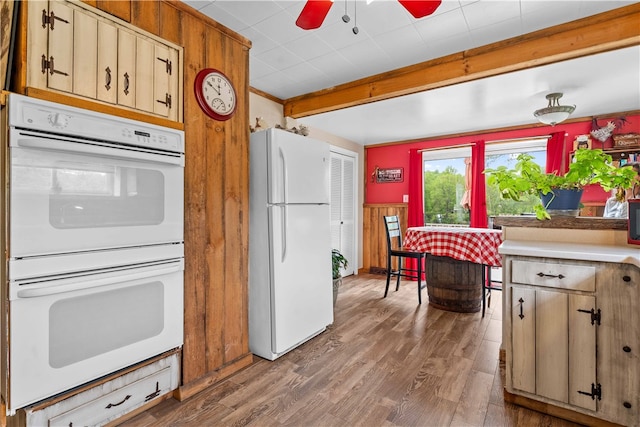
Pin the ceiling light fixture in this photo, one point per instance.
(554, 113)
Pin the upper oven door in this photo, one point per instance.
(69, 195)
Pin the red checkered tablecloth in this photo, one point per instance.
(479, 245)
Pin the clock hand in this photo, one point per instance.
(212, 87)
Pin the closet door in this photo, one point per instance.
(343, 210)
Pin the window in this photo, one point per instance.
(444, 180)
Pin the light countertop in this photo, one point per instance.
(575, 251)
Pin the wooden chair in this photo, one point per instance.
(488, 284)
(396, 250)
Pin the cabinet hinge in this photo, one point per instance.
(595, 315)
(167, 100)
(49, 19)
(596, 391)
(153, 395)
(167, 63)
(47, 64)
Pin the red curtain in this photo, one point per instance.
(415, 214)
(478, 187)
(415, 209)
(555, 154)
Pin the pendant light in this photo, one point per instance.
(554, 113)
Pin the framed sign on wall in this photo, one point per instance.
(387, 175)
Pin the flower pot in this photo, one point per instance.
(562, 202)
(336, 285)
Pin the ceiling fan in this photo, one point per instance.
(314, 11)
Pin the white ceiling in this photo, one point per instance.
(286, 61)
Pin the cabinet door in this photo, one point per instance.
(619, 344)
(582, 351)
(126, 68)
(60, 47)
(552, 345)
(523, 339)
(106, 86)
(343, 208)
(145, 62)
(85, 63)
(163, 94)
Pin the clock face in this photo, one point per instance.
(215, 94)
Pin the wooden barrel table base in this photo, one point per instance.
(454, 285)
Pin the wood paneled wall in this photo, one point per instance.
(374, 238)
(216, 207)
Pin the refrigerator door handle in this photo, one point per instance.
(285, 176)
(285, 210)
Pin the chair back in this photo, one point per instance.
(394, 233)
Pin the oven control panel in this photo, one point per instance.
(45, 116)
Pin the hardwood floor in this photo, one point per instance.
(384, 362)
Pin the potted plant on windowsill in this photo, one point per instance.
(338, 262)
(587, 167)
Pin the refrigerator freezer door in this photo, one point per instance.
(302, 293)
(298, 169)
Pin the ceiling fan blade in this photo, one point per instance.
(313, 13)
(420, 8)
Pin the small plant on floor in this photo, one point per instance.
(339, 262)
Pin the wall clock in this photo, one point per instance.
(215, 94)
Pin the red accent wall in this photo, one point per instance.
(397, 156)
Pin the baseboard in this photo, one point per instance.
(187, 390)
(556, 411)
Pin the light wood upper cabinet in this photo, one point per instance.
(56, 64)
(84, 54)
(79, 50)
(144, 74)
(106, 84)
(126, 68)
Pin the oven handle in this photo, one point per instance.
(96, 149)
(53, 287)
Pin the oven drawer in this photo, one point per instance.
(118, 402)
(554, 275)
(113, 399)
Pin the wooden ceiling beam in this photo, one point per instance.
(607, 31)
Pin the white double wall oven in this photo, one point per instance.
(94, 225)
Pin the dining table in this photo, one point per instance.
(457, 263)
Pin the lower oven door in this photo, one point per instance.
(68, 195)
(71, 330)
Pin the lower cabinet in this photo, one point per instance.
(112, 399)
(573, 335)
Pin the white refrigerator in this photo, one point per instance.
(290, 282)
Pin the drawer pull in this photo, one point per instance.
(107, 78)
(111, 405)
(626, 349)
(626, 278)
(627, 405)
(126, 83)
(559, 276)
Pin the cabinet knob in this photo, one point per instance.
(626, 349)
(626, 278)
(627, 405)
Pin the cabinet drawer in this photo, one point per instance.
(109, 399)
(564, 276)
(118, 402)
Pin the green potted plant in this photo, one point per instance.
(587, 167)
(339, 262)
